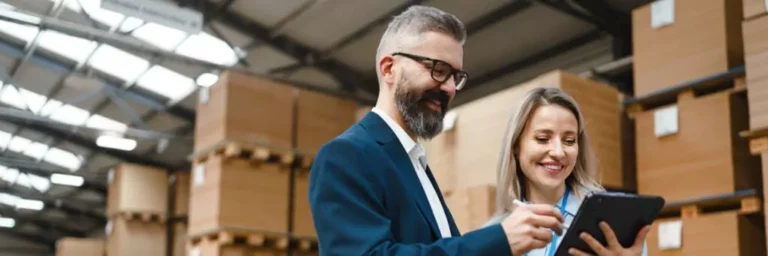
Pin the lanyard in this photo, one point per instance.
(551, 250)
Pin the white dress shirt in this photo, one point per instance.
(418, 157)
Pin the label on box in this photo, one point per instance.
(665, 121)
(766, 5)
(662, 13)
(670, 235)
(204, 94)
(110, 176)
(199, 175)
(450, 120)
(108, 228)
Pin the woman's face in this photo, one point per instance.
(548, 147)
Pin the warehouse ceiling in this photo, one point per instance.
(76, 77)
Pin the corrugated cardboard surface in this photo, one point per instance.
(723, 233)
(472, 207)
(134, 237)
(70, 246)
(247, 108)
(321, 118)
(183, 183)
(754, 8)
(756, 50)
(302, 222)
(705, 157)
(705, 39)
(235, 193)
(137, 188)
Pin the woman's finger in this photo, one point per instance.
(577, 252)
(593, 243)
(610, 236)
(640, 239)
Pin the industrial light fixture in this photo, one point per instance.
(108, 141)
(68, 180)
(7, 222)
(207, 79)
(30, 204)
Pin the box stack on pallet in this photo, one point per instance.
(137, 208)
(177, 224)
(755, 30)
(254, 141)
(464, 159)
(689, 108)
(70, 246)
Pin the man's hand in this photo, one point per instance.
(530, 227)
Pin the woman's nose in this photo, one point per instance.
(557, 150)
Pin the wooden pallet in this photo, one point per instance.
(758, 140)
(257, 152)
(744, 201)
(141, 216)
(249, 238)
(730, 81)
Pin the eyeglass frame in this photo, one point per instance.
(454, 71)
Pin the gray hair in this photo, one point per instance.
(415, 21)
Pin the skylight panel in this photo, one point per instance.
(49, 107)
(74, 48)
(5, 139)
(70, 114)
(9, 199)
(203, 46)
(34, 101)
(36, 150)
(39, 183)
(22, 32)
(161, 36)
(23, 180)
(9, 95)
(118, 63)
(19, 144)
(10, 175)
(7, 222)
(30, 204)
(165, 82)
(62, 158)
(97, 121)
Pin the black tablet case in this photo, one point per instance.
(625, 213)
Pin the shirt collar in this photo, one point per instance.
(414, 150)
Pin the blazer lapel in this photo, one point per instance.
(387, 138)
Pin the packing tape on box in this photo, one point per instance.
(662, 13)
(199, 175)
(108, 228)
(204, 95)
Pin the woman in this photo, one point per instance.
(546, 159)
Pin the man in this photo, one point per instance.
(371, 191)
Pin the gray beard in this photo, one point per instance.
(424, 122)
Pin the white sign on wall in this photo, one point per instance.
(160, 12)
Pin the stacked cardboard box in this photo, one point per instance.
(688, 146)
(179, 218)
(70, 246)
(275, 126)
(137, 206)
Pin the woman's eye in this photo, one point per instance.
(541, 139)
(570, 142)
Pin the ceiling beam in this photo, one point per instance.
(349, 78)
(32, 238)
(44, 224)
(612, 24)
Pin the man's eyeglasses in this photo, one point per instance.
(441, 71)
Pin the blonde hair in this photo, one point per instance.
(509, 186)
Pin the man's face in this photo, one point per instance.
(422, 100)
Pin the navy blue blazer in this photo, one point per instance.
(366, 199)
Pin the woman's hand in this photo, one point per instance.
(614, 247)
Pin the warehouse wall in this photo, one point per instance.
(10, 246)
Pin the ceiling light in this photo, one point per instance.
(68, 180)
(207, 79)
(30, 204)
(107, 141)
(7, 222)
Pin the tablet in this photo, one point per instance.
(625, 213)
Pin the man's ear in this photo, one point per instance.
(386, 67)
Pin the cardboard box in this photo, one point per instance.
(481, 125)
(321, 118)
(235, 193)
(135, 237)
(183, 183)
(754, 8)
(472, 207)
(137, 188)
(70, 246)
(704, 39)
(180, 239)
(303, 223)
(756, 51)
(722, 233)
(703, 155)
(210, 249)
(245, 108)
